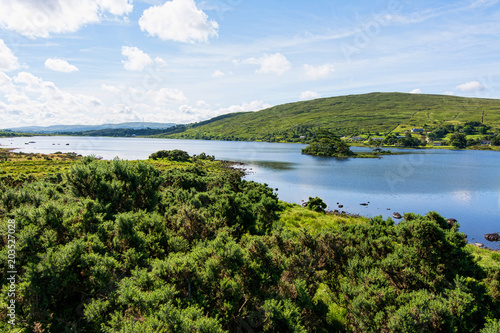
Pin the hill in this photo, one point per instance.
(84, 128)
(347, 115)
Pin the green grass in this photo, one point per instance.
(487, 259)
(295, 217)
(374, 112)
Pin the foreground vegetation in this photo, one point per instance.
(178, 244)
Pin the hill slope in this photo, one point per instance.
(347, 115)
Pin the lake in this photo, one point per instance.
(464, 185)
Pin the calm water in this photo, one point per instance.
(464, 185)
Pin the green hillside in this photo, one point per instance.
(347, 115)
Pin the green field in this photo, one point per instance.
(347, 115)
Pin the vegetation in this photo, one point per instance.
(348, 116)
(189, 246)
(11, 134)
(327, 144)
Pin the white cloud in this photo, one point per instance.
(178, 20)
(218, 74)
(60, 65)
(27, 99)
(8, 61)
(137, 59)
(116, 7)
(309, 95)
(111, 89)
(43, 18)
(318, 72)
(37, 101)
(160, 62)
(167, 96)
(274, 63)
(471, 86)
(416, 91)
(252, 106)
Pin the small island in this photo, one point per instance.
(328, 144)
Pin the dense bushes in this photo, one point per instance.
(121, 246)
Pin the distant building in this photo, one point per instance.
(357, 138)
(377, 139)
(437, 144)
(302, 137)
(417, 130)
(486, 142)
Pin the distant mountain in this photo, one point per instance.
(85, 128)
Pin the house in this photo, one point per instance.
(486, 142)
(417, 130)
(357, 138)
(437, 144)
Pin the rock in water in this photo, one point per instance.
(494, 237)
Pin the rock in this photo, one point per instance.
(479, 244)
(341, 206)
(451, 222)
(396, 215)
(494, 237)
(363, 204)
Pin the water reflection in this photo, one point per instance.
(273, 165)
(462, 196)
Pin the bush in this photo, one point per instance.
(171, 155)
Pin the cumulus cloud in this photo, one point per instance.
(27, 99)
(59, 65)
(137, 59)
(38, 101)
(34, 19)
(274, 63)
(167, 96)
(471, 86)
(309, 95)
(318, 72)
(8, 61)
(416, 91)
(178, 20)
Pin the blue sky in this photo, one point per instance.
(112, 61)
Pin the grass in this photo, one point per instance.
(295, 217)
(41, 165)
(375, 112)
(486, 258)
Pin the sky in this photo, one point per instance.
(183, 61)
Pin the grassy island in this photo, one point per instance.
(184, 244)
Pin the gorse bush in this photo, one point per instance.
(122, 246)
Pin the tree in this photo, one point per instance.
(316, 204)
(327, 143)
(458, 140)
(469, 129)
